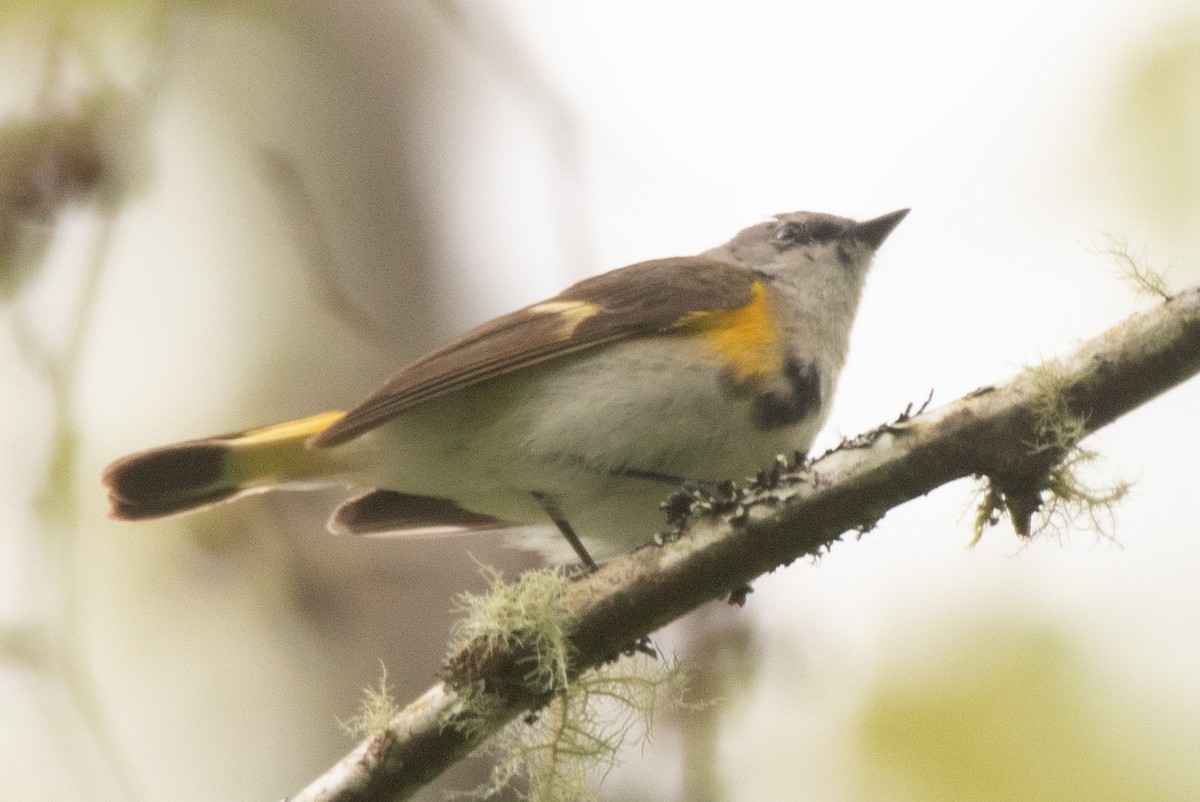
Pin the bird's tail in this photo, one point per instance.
(183, 477)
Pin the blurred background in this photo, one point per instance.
(218, 214)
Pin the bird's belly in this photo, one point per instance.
(591, 431)
(644, 407)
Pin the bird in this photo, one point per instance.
(582, 411)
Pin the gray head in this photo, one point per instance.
(815, 265)
(823, 258)
(796, 239)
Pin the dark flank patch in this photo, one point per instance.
(787, 406)
(387, 511)
(163, 481)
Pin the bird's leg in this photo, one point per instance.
(550, 505)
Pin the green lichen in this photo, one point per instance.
(1132, 267)
(1055, 495)
(989, 507)
(1069, 500)
(566, 748)
(376, 709)
(526, 616)
(555, 752)
(1073, 503)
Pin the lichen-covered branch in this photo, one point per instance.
(726, 539)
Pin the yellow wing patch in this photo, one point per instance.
(572, 313)
(745, 338)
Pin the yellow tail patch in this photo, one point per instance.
(182, 477)
(301, 429)
(278, 452)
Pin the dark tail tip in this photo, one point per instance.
(169, 480)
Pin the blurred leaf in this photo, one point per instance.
(1157, 126)
(22, 11)
(44, 163)
(1009, 717)
(24, 644)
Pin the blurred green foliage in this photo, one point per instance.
(1010, 715)
(1157, 126)
(65, 8)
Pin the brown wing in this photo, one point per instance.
(646, 297)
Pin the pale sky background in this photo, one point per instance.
(1018, 133)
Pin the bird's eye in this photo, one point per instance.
(809, 231)
(790, 232)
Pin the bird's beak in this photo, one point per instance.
(874, 232)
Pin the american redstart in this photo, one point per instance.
(585, 408)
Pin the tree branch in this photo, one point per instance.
(725, 542)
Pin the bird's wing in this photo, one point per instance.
(658, 296)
